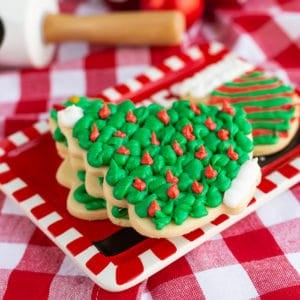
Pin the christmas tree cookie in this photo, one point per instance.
(270, 106)
(165, 171)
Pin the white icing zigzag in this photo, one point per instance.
(205, 81)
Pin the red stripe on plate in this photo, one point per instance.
(97, 263)
(185, 58)
(129, 270)
(122, 89)
(7, 177)
(41, 211)
(163, 249)
(31, 132)
(266, 185)
(165, 69)
(59, 227)
(23, 194)
(288, 171)
(142, 79)
(220, 219)
(7, 145)
(79, 245)
(104, 98)
(194, 234)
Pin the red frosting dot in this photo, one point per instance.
(123, 150)
(119, 133)
(104, 112)
(130, 117)
(139, 184)
(170, 177)
(209, 172)
(197, 187)
(195, 108)
(163, 116)
(94, 133)
(228, 108)
(173, 191)
(232, 154)
(210, 124)
(154, 139)
(201, 153)
(153, 208)
(147, 159)
(223, 134)
(177, 148)
(187, 131)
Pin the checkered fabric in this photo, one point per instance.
(257, 258)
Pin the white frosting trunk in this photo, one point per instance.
(247, 178)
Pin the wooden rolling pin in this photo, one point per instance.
(30, 29)
(160, 28)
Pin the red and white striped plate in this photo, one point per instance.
(28, 163)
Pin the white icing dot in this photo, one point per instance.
(69, 116)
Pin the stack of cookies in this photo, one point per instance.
(162, 171)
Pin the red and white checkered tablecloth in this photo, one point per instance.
(257, 258)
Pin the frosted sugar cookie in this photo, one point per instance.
(172, 170)
(182, 168)
(272, 107)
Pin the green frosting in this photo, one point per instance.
(91, 203)
(119, 212)
(81, 175)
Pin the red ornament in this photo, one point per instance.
(177, 148)
(210, 124)
(94, 133)
(163, 116)
(197, 187)
(209, 172)
(191, 9)
(130, 117)
(147, 159)
(170, 177)
(104, 112)
(120, 134)
(195, 108)
(228, 108)
(173, 191)
(187, 131)
(123, 150)
(223, 134)
(153, 208)
(232, 154)
(139, 184)
(154, 140)
(201, 153)
(123, 4)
